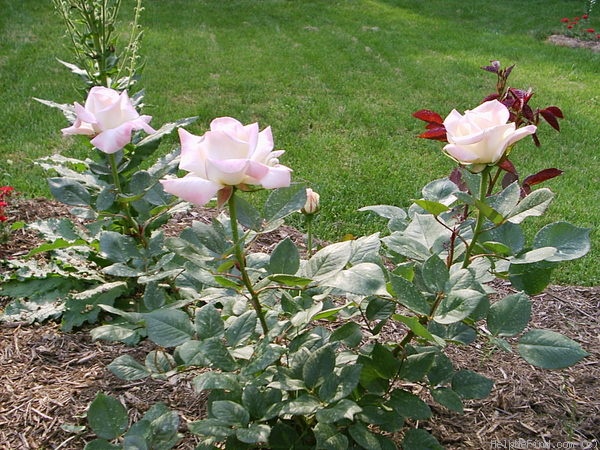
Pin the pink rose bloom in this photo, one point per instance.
(110, 117)
(481, 136)
(230, 154)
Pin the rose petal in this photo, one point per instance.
(192, 189)
(111, 141)
(277, 177)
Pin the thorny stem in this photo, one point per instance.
(239, 256)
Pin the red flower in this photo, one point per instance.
(6, 190)
(576, 19)
(570, 27)
(590, 30)
(565, 20)
(3, 204)
(585, 16)
(598, 36)
(3, 218)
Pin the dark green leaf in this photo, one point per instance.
(255, 433)
(415, 367)
(349, 333)
(107, 416)
(241, 329)
(285, 258)
(549, 350)
(458, 305)
(448, 398)
(409, 405)
(285, 201)
(329, 438)
(229, 412)
(363, 437)
(470, 385)
(344, 409)
(408, 295)
(435, 274)
(570, 241)
(215, 380)
(118, 247)
(531, 278)
(127, 368)
(208, 322)
(169, 327)
(419, 439)
(510, 315)
(319, 365)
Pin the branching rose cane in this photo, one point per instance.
(229, 157)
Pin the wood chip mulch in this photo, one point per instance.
(48, 378)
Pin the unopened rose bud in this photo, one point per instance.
(312, 202)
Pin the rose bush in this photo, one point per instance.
(110, 117)
(229, 155)
(482, 135)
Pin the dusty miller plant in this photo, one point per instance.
(111, 253)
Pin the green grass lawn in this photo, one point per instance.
(338, 82)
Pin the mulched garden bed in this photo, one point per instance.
(49, 377)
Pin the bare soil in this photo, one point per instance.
(48, 377)
(566, 41)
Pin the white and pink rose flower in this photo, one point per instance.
(110, 117)
(482, 135)
(229, 155)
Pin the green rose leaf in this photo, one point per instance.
(570, 241)
(534, 205)
(469, 384)
(363, 437)
(107, 416)
(419, 439)
(318, 366)
(254, 434)
(408, 295)
(361, 279)
(549, 350)
(409, 405)
(344, 409)
(457, 305)
(229, 412)
(328, 437)
(285, 201)
(285, 258)
(510, 315)
(127, 368)
(169, 327)
(448, 398)
(208, 322)
(241, 329)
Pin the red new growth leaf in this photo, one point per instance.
(556, 111)
(437, 134)
(429, 116)
(551, 118)
(541, 176)
(507, 165)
